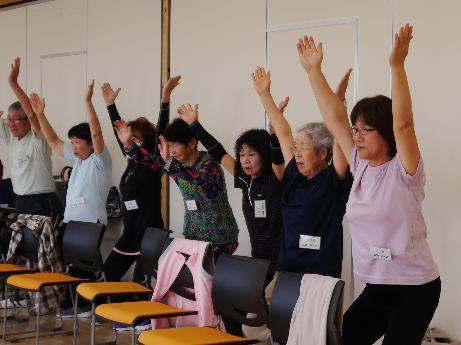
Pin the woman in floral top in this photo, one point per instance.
(208, 215)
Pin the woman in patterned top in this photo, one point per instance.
(257, 170)
(208, 215)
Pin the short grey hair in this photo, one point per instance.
(320, 135)
(16, 106)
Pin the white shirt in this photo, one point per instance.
(88, 187)
(30, 162)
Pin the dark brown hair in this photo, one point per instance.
(376, 112)
(147, 131)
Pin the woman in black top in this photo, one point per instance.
(140, 187)
(257, 173)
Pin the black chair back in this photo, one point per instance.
(284, 297)
(152, 246)
(29, 245)
(80, 245)
(238, 289)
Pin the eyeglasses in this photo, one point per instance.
(15, 119)
(362, 130)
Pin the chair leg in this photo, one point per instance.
(74, 339)
(5, 290)
(93, 324)
(133, 336)
(37, 331)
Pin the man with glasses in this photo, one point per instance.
(29, 155)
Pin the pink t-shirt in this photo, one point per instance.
(388, 230)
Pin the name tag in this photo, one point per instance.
(23, 160)
(79, 202)
(309, 242)
(191, 205)
(131, 205)
(260, 209)
(380, 253)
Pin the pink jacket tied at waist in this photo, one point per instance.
(169, 266)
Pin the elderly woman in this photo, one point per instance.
(314, 191)
(389, 246)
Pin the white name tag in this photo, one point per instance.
(23, 160)
(309, 242)
(79, 202)
(380, 253)
(260, 209)
(191, 205)
(131, 205)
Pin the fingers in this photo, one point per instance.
(347, 75)
(117, 91)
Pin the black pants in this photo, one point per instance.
(76, 272)
(401, 313)
(44, 204)
(116, 265)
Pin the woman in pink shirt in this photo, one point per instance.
(389, 247)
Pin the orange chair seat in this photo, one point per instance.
(191, 336)
(90, 291)
(9, 268)
(36, 281)
(129, 312)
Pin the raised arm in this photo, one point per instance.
(22, 96)
(95, 126)
(278, 166)
(262, 84)
(339, 159)
(403, 124)
(164, 113)
(109, 96)
(189, 114)
(331, 107)
(38, 106)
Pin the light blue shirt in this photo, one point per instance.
(88, 187)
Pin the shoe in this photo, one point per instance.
(118, 327)
(143, 326)
(99, 321)
(68, 313)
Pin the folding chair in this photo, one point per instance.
(238, 289)
(284, 298)
(151, 248)
(80, 248)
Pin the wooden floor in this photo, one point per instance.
(103, 333)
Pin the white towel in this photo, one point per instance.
(309, 319)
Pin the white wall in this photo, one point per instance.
(216, 44)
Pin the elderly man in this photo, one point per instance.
(29, 155)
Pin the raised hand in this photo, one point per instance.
(169, 87)
(89, 92)
(1, 113)
(310, 55)
(401, 46)
(188, 113)
(14, 73)
(37, 103)
(342, 86)
(108, 94)
(163, 148)
(124, 133)
(261, 80)
(283, 104)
